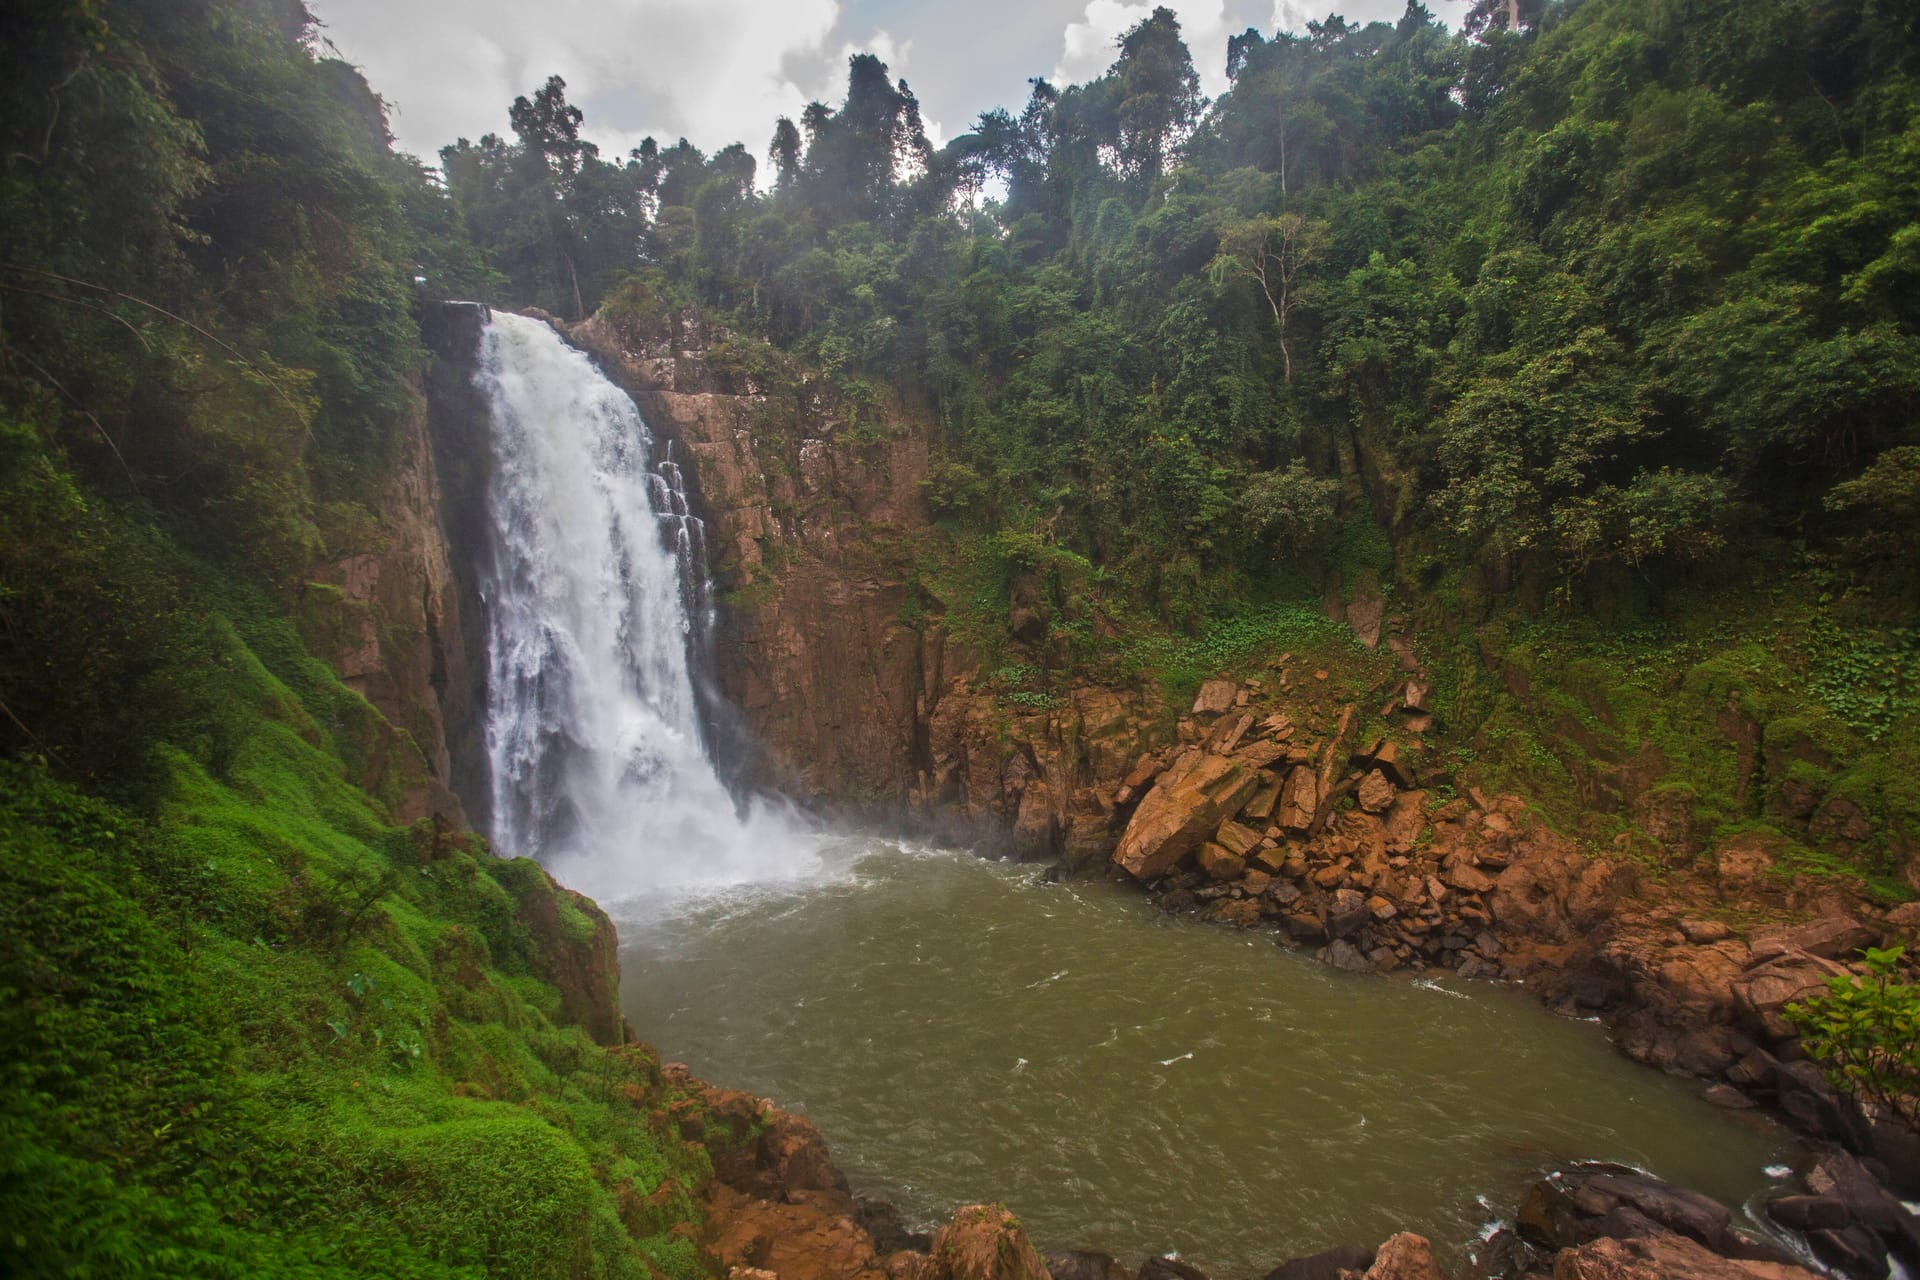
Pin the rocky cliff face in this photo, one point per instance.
(858, 701)
(386, 613)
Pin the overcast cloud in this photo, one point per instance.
(720, 71)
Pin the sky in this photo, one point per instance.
(721, 71)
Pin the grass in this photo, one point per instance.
(261, 1031)
(1741, 713)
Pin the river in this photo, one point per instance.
(962, 1030)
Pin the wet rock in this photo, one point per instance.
(1324, 1266)
(1085, 1264)
(1342, 954)
(883, 1221)
(1853, 1251)
(1725, 1095)
(1167, 1267)
(1663, 1257)
(1807, 1213)
(1590, 1201)
(1346, 913)
(1804, 1093)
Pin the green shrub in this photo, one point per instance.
(1865, 1033)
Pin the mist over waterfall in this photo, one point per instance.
(595, 599)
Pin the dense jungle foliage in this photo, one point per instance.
(1622, 285)
(1587, 333)
(254, 1025)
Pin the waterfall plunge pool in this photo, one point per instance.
(961, 1030)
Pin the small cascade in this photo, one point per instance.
(597, 601)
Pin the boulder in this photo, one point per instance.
(801, 1235)
(1215, 698)
(1405, 1257)
(1185, 807)
(1589, 1201)
(1375, 793)
(1342, 954)
(1219, 863)
(1236, 839)
(1761, 994)
(1085, 1264)
(1835, 937)
(1664, 1257)
(1467, 879)
(1346, 912)
(1406, 818)
(1808, 1213)
(1167, 1267)
(1323, 1266)
(1299, 799)
(985, 1242)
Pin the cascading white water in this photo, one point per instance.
(595, 583)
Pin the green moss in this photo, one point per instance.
(257, 1033)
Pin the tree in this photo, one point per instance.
(784, 151)
(1156, 94)
(1272, 250)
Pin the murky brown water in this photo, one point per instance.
(962, 1031)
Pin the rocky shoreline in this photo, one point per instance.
(1282, 800)
(778, 1208)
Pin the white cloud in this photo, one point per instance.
(1089, 45)
(1292, 15)
(715, 71)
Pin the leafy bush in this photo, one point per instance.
(1865, 1033)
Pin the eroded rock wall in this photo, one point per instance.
(858, 702)
(386, 613)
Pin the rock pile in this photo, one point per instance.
(1334, 841)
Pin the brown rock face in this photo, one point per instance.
(587, 971)
(854, 696)
(386, 616)
(1219, 864)
(1185, 807)
(1663, 1257)
(1299, 799)
(804, 1235)
(984, 1242)
(1375, 792)
(1215, 698)
(1405, 1257)
(1761, 994)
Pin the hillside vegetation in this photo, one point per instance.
(253, 1025)
(1586, 335)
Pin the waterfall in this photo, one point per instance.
(595, 598)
